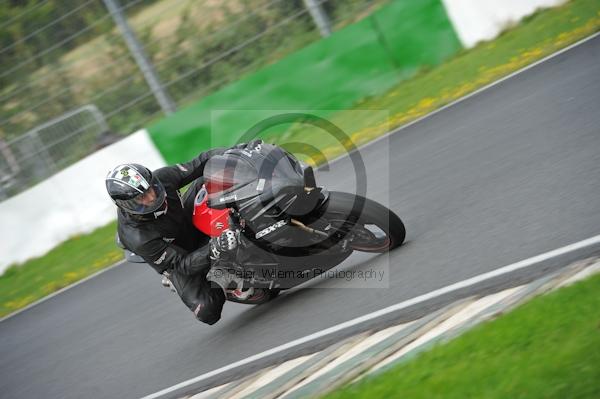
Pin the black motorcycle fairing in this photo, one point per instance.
(240, 174)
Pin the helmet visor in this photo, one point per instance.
(150, 200)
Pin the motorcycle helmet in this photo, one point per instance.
(134, 189)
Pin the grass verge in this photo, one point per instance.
(546, 348)
(540, 35)
(69, 262)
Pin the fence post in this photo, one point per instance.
(319, 16)
(43, 152)
(140, 57)
(7, 177)
(7, 154)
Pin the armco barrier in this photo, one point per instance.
(71, 202)
(360, 60)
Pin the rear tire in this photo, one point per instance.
(270, 294)
(358, 214)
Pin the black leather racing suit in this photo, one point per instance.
(170, 242)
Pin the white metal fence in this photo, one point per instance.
(50, 147)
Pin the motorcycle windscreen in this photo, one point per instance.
(289, 169)
(227, 172)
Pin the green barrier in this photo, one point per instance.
(360, 60)
(417, 33)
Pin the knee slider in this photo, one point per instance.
(209, 319)
(209, 312)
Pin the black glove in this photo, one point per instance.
(226, 243)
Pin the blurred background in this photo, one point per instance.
(76, 77)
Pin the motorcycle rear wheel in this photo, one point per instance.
(269, 295)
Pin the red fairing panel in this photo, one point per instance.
(211, 222)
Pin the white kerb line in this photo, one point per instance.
(399, 306)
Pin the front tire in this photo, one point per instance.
(374, 227)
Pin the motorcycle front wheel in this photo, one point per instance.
(371, 226)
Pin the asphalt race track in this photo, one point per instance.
(507, 174)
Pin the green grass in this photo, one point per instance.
(69, 262)
(538, 36)
(546, 348)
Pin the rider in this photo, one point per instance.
(155, 222)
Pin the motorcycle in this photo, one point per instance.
(285, 229)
